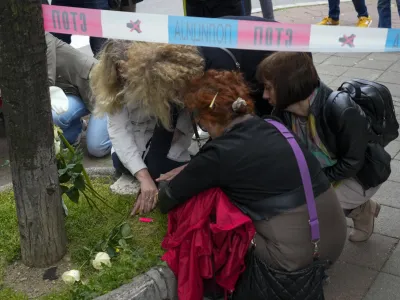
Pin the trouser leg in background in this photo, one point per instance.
(334, 9)
(267, 9)
(385, 14)
(361, 8)
(246, 7)
(96, 43)
(66, 38)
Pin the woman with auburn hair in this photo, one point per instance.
(335, 130)
(254, 165)
(148, 127)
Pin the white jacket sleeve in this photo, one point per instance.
(120, 130)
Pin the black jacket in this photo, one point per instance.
(255, 167)
(342, 128)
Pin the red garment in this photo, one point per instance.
(193, 239)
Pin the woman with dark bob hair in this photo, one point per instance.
(336, 132)
(254, 165)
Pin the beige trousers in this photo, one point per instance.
(351, 194)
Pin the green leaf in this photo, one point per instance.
(78, 168)
(64, 178)
(123, 244)
(111, 252)
(61, 172)
(73, 194)
(126, 230)
(79, 183)
(64, 189)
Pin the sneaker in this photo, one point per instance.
(328, 21)
(364, 22)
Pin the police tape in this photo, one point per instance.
(224, 33)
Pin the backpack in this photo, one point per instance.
(377, 103)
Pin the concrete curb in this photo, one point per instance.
(158, 283)
(92, 172)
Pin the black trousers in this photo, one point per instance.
(96, 43)
(213, 8)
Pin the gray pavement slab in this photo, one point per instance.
(332, 70)
(390, 77)
(348, 281)
(368, 74)
(387, 222)
(341, 61)
(393, 148)
(392, 266)
(395, 165)
(370, 63)
(371, 254)
(385, 287)
(388, 194)
(395, 67)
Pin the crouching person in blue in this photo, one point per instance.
(69, 69)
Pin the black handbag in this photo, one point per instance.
(261, 282)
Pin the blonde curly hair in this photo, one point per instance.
(153, 75)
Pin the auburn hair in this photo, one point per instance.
(226, 87)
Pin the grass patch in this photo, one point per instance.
(86, 227)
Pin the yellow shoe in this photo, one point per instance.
(328, 21)
(364, 22)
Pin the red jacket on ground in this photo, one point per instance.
(206, 227)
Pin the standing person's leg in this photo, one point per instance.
(96, 43)
(267, 9)
(66, 38)
(97, 139)
(70, 121)
(333, 15)
(364, 20)
(385, 14)
(195, 8)
(398, 6)
(246, 7)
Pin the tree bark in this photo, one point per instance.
(29, 128)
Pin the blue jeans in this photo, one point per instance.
(359, 5)
(97, 139)
(385, 13)
(96, 43)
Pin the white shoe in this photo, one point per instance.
(125, 185)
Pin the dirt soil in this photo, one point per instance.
(31, 280)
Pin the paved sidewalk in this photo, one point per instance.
(370, 270)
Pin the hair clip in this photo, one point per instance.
(213, 101)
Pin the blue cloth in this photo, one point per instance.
(359, 5)
(385, 13)
(97, 139)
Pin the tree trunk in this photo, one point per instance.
(27, 110)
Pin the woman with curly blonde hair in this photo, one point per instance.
(139, 86)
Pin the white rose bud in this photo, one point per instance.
(71, 276)
(101, 259)
(57, 146)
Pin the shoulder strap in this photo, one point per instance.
(305, 177)
(233, 57)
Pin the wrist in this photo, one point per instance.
(143, 175)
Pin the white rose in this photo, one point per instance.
(101, 259)
(57, 146)
(55, 132)
(71, 276)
